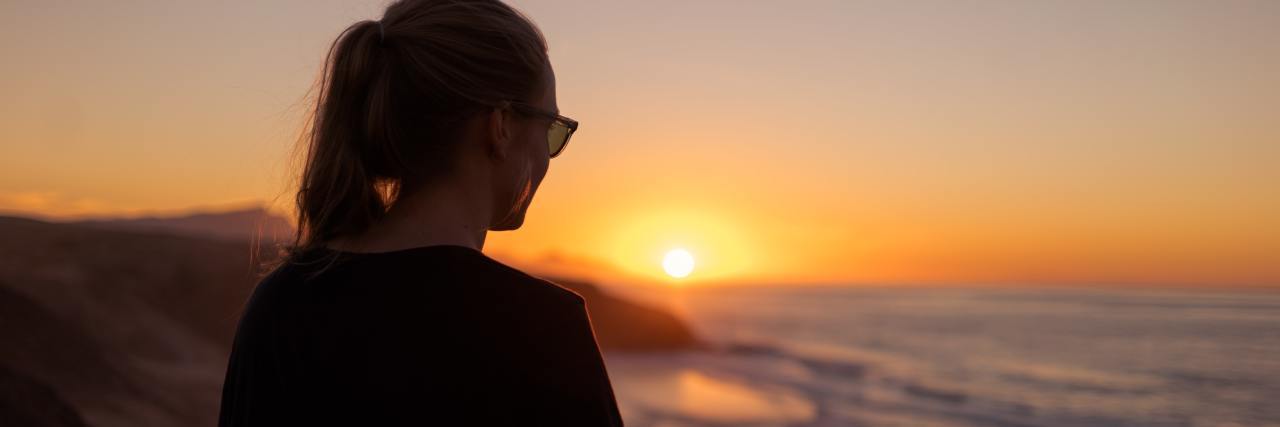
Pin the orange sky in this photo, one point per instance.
(1092, 142)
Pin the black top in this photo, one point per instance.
(437, 335)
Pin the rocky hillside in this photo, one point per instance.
(254, 224)
(110, 327)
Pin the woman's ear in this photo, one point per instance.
(500, 132)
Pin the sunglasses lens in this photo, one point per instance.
(557, 137)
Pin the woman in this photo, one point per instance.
(432, 127)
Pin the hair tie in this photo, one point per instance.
(382, 34)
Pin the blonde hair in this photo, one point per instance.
(391, 100)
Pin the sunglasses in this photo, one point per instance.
(561, 127)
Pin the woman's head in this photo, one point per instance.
(434, 90)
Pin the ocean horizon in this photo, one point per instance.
(834, 356)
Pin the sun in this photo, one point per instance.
(678, 263)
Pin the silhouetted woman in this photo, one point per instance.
(432, 127)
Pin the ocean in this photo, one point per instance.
(838, 356)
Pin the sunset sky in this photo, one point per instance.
(843, 142)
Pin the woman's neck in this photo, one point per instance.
(446, 214)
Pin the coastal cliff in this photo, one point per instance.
(108, 326)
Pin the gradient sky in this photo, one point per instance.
(980, 142)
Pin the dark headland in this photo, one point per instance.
(129, 322)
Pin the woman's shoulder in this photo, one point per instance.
(435, 269)
(531, 283)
